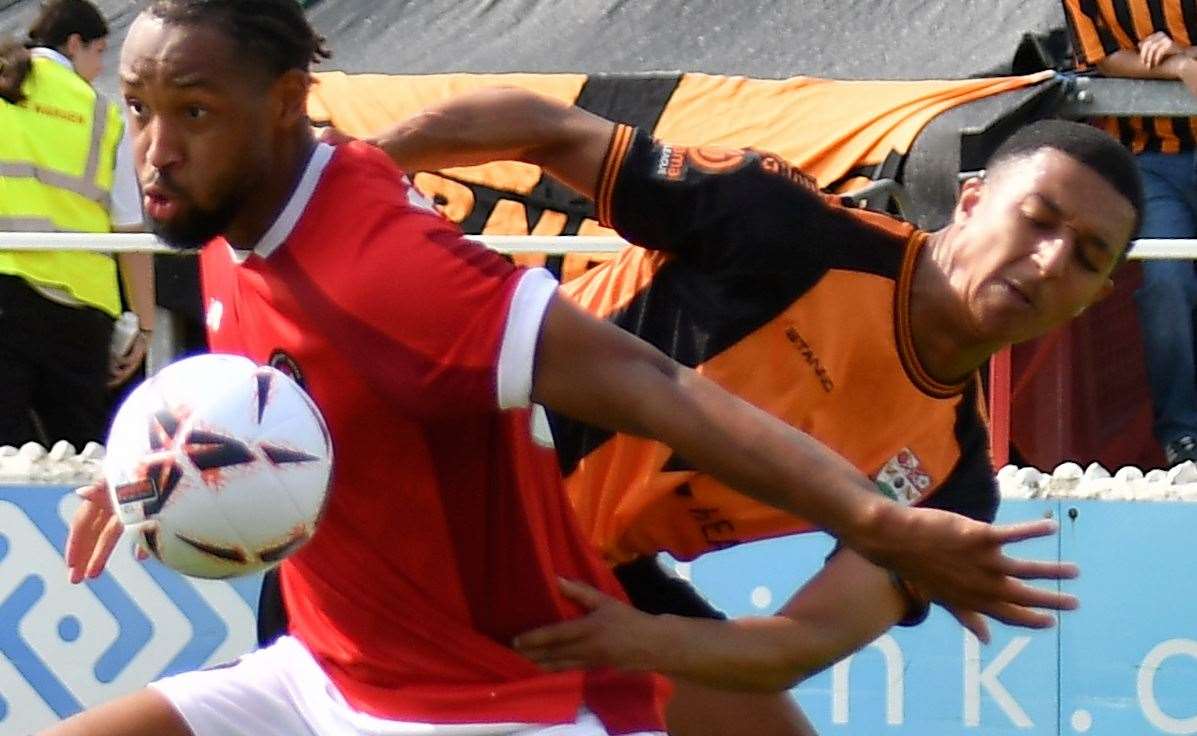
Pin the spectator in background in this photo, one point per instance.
(64, 167)
(1152, 39)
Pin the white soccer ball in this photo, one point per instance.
(229, 459)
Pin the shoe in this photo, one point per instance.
(1181, 449)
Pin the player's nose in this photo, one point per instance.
(162, 145)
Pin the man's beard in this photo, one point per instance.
(192, 231)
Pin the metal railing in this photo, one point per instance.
(165, 343)
(1088, 96)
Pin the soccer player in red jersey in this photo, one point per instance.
(447, 528)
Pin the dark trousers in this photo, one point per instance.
(53, 362)
(1168, 296)
(272, 613)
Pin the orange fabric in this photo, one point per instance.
(1086, 42)
(824, 127)
(630, 505)
(830, 363)
(366, 104)
(609, 288)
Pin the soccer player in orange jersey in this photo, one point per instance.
(851, 325)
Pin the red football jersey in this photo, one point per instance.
(447, 526)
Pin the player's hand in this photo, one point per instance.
(122, 367)
(958, 562)
(613, 634)
(95, 530)
(1157, 47)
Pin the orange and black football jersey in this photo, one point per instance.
(1101, 27)
(789, 298)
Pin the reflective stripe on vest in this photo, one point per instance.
(27, 224)
(57, 152)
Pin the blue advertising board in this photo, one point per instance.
(1129, 656)
(68, 646)
(1124, 664)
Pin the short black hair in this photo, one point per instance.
(276, 32)
(1088, 145)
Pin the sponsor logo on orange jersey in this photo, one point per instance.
(715, 160)
(674, 161)
(775, 164)
(808, 354)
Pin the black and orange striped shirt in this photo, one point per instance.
(1102, 27)
(786, 297)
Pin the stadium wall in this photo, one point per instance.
(1124, 664)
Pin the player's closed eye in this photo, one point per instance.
(1039, 219)
(1085, 250)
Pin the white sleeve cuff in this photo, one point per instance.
(517, 354)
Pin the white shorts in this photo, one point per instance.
(282, 691)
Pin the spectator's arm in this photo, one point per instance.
(1130, 64)
(137, 274)
(136, 269)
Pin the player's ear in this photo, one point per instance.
(970, 195)
(290, 91)
(1105, 290)
(1102, 293)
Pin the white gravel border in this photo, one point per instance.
(62, 464)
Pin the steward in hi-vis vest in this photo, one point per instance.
(57, 156)
(66, 167)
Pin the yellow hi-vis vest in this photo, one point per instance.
(57, 155)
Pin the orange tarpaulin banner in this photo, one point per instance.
(826, 127)
(362, 104)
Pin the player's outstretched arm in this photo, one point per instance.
(503, 123)
(843, 608)
(595, 372)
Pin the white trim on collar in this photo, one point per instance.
(46, 52)
(290, 215)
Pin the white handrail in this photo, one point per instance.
(1163, 248)
(1145, 249)
(146, 243)
(164, 346)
